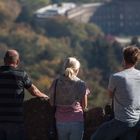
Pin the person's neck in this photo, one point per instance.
(128, 66)
(11, 65)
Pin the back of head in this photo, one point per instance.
(11, 57)
(71, 67)
(131, 55)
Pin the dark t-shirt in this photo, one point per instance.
(12, 84)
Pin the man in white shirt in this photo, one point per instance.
(124, 88)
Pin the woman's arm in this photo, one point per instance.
(84, 102)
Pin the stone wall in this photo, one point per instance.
(38, 116)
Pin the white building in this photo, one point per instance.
(54, 10)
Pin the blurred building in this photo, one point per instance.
(54, 10)
(115, 17)
(118, 17)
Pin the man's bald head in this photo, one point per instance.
(11, 57)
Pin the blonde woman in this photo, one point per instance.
(71, 99)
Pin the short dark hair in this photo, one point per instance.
(10, 57)
(131, 54)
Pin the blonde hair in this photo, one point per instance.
(71, 65)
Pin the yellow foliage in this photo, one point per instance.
(42, 40)
(10, 9)
(2, 6)
(53, 62)
(44, 82)
(23, 31)
(4, 30)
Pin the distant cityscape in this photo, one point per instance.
(115, 17)
(119, 17)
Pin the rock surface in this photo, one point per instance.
(38, 117)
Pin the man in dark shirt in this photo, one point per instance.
(12, 84)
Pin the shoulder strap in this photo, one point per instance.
(54, 97)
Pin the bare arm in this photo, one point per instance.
(36, 92)
(84, 102)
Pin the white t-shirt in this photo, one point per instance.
(125, 86)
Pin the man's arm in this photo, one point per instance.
(36, 92)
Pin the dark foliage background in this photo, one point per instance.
(43, 48)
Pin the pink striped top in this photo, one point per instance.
(69, 114)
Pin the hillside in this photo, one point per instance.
(43, 49)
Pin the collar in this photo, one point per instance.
(7, 67)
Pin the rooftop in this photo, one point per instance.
(55, 9)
